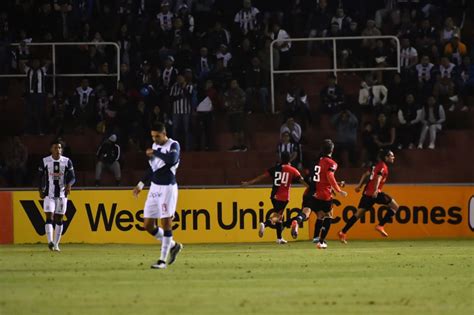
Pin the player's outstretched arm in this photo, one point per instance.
(303, 182)
(255, 180)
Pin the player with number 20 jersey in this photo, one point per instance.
(282, 176)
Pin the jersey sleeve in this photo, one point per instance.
(380, 170)
(295, 172)
(332, 166)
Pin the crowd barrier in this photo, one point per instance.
(228, 215)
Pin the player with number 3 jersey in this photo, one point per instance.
(323, 184)
(282, 176)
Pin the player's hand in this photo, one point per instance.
(136, 191)
(343, 193)
(149, 152)
(357, 189)
(68, 189)
(342, 183)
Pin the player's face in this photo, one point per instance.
(56, 150)
(390, 158)
(158, 137)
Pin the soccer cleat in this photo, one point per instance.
(294, 229)
(56, 248)
(342, 237)
(281, 241)
(316, 239)
(174, 252)
(381, 230)
(322, 245)
(160, 264)
(51, 246)
(261, 229)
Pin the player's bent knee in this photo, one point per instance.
(394, 205)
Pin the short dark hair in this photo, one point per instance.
(327, 147)
(383, 153)
(56, 141)
(160, 127)
(285, 157)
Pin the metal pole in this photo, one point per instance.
(272, 83)
(53, 46)
(118, 64)
(334, 57)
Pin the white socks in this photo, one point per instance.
(165, 247)
(159, 234)
(58, 230)
(48, 227)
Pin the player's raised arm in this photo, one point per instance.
(255, 180)
(171, 157)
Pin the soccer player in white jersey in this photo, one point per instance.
(163, 195)
(56, 179)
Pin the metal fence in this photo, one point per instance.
(334, 68)
(54, 75)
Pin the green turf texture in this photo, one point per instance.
(375, 277)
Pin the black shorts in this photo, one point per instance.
(367, 202)
(321, 205)
(307, 201)
(279, 206)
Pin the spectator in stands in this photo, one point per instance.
(424, 71)
(138, 126)
(185, 15)
(204, 65)
(444, 89)
(59, 109)
(346, 124)
(384, 133)
(208, 99)
(455, 50)
(242, 59)
(369, 30)
(220, 76)
(286, 145)
(448, 31)
(35, 96)
(218, 36)
(369, 148)
(181, 97)
(83, 105)
(234, 101)
(256, 81)
(466, 83)
(165, 18)
(15, 158)
(408, 55)
(293, 128)
(332, 96)
(433, 118)
(318, 23)
(246, 20)
(108, 156)
(373, 95)
(264, 55)
(408, 122)
(283, 46)
(224, 54)
(297, 105)
(159, 116)
(426, 37)
(341, 19)
(169, 73)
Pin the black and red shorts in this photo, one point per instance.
(278, 205)
(366, 202)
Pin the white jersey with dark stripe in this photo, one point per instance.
(55, 175)
(162, 170)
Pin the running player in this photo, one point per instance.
(282, 176)
(57, 176)
(163, 195)
(373, 195)
(321, 201)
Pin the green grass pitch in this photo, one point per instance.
(375, 277)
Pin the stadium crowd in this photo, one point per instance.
(184, 60)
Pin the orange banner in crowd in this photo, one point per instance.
(233, 214)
